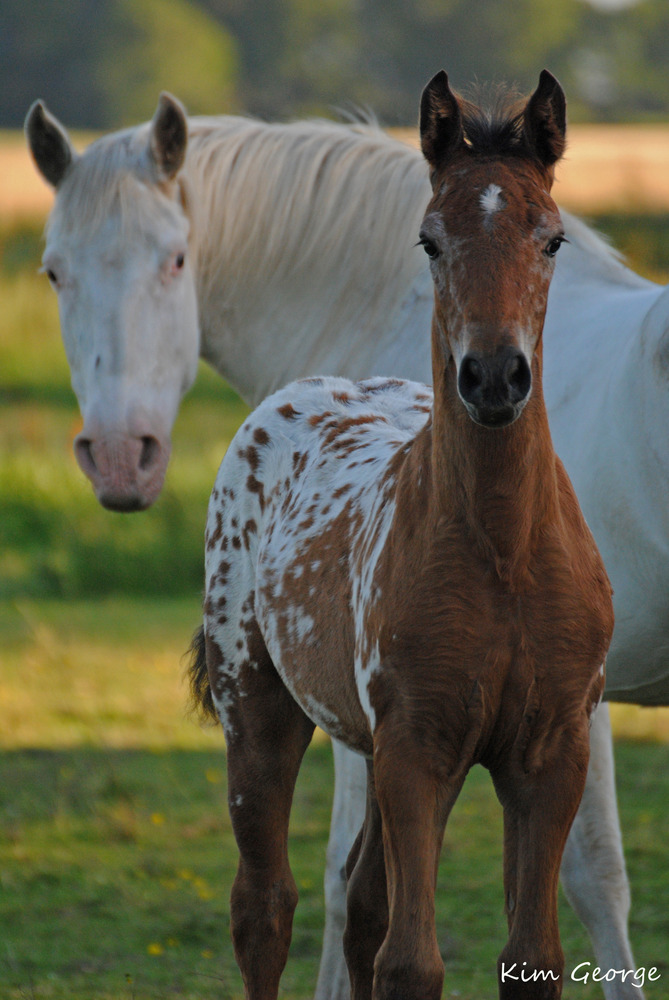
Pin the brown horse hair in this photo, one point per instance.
(494, 121)
(201, 702)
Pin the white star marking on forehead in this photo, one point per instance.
(491, 200)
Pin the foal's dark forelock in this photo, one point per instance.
(497, 121)
(496, 126)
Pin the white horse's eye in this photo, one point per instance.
(51, 275)
(174, 265)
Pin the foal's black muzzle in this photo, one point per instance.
(495, 388)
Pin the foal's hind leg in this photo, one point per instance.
(267, 734)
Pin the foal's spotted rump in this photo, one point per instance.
(311, 472)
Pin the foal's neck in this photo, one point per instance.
(499, 485)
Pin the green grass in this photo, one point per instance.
(116, 869)
(20, 244)
(116, 865)
(103, 673)
(116, 854)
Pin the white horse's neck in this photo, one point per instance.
(605, 334)
(306, 262)
(592, 259)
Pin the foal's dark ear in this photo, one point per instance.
(440, 121)
(169, 136)
(545, 120)
(49, 144)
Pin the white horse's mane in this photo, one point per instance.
(297, 197)
(282, 197)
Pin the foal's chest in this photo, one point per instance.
(460, 640)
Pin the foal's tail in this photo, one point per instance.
(201, 700)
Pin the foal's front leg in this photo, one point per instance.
(538, 811)
(414, 803)
(267, 734)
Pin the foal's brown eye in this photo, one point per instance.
(179, 261)
(430, 248)
(554, 245)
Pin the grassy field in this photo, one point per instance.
(116, 854)
(116, 864)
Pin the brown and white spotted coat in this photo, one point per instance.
(298, 519)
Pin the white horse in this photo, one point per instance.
(166, 241)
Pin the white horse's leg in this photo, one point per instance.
(348, 813)
(593, 871)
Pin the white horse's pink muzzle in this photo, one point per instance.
(127, 472)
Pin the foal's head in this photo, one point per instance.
(491, 232)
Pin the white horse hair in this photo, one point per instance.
(227, 237)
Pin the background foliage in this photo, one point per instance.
(101, 63)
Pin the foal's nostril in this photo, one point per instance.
(150, 453)
(518, 376)
(494, 387)
(470, 378)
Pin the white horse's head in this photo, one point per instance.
(117, 253)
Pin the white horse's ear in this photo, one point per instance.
(441, 131)
(49, 144)
(545, 120)
(169, 136)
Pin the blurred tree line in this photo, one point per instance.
(101, 63)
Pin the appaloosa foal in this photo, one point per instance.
(415, 576)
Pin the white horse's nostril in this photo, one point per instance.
(127, 471)
(150, 453)
(84, 455)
